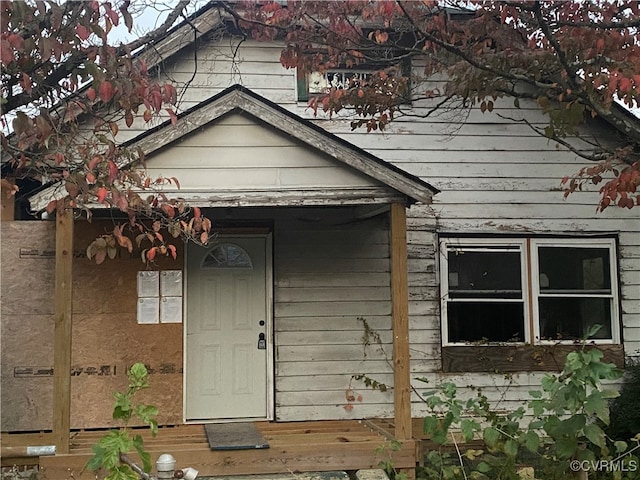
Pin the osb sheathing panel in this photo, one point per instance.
(106, 337)
(27, 285)
(26, 318)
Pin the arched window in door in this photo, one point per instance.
(227, 255)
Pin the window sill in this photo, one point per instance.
(518, 358)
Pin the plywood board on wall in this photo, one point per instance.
(106, 345)
(26, 315)
(106, 337)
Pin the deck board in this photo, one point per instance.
(294, 447)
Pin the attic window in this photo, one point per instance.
(341, 79)
(227, 255)
(317, 83)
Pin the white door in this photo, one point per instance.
(227, 330)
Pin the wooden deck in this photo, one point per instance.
(294, 447)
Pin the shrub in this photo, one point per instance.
(625, 409)
(562, 434)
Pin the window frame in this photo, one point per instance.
(498, 245)
(614, 296)
(530, 275)
(302, 80)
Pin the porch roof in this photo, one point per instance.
(386, 183)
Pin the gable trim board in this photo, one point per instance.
(402, 186)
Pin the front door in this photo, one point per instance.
(227, 343)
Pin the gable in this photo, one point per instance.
(240, 159)
(345, 173)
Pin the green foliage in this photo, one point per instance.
(107, 452)
(386, 463)
(569, 419)
(625, 409)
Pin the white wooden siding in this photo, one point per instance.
(325, 279)
(238, 153)
(495, 176)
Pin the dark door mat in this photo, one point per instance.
(234, 436)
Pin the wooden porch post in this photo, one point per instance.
(62, 331)
(400, 320)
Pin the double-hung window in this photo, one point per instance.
(575, 288)
(485, 292)
(528, 290)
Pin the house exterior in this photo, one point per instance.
(457, 249)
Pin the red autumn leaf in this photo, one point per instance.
(624, 85)
(156, 100)
(101, 194)
(83, 32)
(113, 171)
(51, 207)
(106, 91)
(172, 250)
(101, 255)
(122, 203)
(113, 16)
(26, 83)
(168, 210)
(16, 41)
(504, 14)
(381, 37)
(613, 82)
(91, 94)
(147, 115)
(128, 118)
(6, 53)
(170, 93)
(94, 162)
(151, 253)
(128, 19)
(128, 244)
(271, 7)
(72, 189)
(172, 116)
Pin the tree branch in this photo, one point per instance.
(65, 69)
(157, 33)
(595, 157)
(470, 60)
(562, 57)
